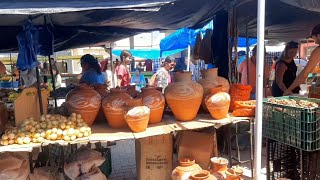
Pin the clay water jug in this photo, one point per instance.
(153, 99)
(202, 175)
(114, 107)
(137, 115)
(224, 82)
(84, 100)
(219, 164)
(185, 168)
(218, 105)
(184, 96)
(208, 81)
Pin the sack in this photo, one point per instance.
(239, 92)
(152, 81)
(45, 173)
(14, 166)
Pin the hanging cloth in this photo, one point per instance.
(205, 52)
(27, 57)
(44, 41)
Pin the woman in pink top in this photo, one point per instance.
(123, 74)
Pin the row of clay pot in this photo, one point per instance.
(188, 169)
(87, 101)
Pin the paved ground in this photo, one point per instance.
(124, 165)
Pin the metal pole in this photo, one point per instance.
(189, 52)
(259, 88)
(39, 90)
(247, 55)
(112, 68)
(53, 82)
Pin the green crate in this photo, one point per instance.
(297, 127)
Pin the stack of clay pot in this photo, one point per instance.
(220, 166)
(185, 168)
(184, 96)
(86, 101)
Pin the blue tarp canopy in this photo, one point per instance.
(180, 39)
(146, 53)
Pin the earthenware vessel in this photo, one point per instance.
(185, 168)
(153, 99)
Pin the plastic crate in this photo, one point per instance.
(283, 161)
(294, 126)
(9, 84)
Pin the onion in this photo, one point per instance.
(20, 141)
(53, 136)
(40, 139)
(83, 129)
(4, 137)
(80, 135)
(26, 140)
(66, 138)
(11, 136)
(85, 134)
(11, 141)
(5, 142)
(73, 138)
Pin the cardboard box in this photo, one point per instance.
(154, 157)
(200, 146)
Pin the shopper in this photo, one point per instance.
(138, 79)
(91, 71)
(163, 77)
(249, 70)
(123, 74)
(286, 70)
(312, 63)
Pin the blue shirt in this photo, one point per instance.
(91, 77)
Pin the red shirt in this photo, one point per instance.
(121, 70)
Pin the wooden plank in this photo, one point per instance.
(17, 147)
(154, 130)
(27, 105)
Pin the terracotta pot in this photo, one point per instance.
(185, 168)
(231, 175)
(208, 81)
(238, 171)
(154, 100)
(114, 107)
(219, 164)
(202, 175)
(131, 90)
(212, 91)
(137, 116)
(218, 176)
(218, 105)
(102, 89)
(86, 101)
(225, 84)
(184, 96)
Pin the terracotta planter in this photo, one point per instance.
(137, 116)
(114, 107)
(231, 175)
(219, 165)
(225, 84)
(86, 101)
(184, 97)
(154, 100)
(218, 105)
(208, 81)
(185, 168)
(202, 175)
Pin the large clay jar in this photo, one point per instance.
(131, 90)
(202, 175)
(218, 105)
(114, 107)
(232, 175)
(185, 168)
(86, 101)
(225, 84)
(137, 115)
(153, 99)
(219, 164)
(208, 81)
(184, 96)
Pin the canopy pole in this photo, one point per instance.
(39, 90)
(259, 88)
(53, 82)
(112, 68)
(189, 52)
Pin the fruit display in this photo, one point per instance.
(294, 103)
(13, 96)
(7, 78)
(49, 127)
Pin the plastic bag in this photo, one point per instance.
(14, 166)
(94, 174)
(239, 92)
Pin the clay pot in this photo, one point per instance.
(202, 175)
(131, 90)
(225, 84)
(114, 107)
(184, 96)
(208, 81)
(102, 89)
(137, 116)
(219, 164)
(231, 175)
(154, 100)
(84, 100)
(218, 105)
(185, 168)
